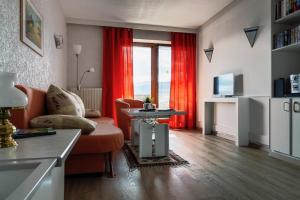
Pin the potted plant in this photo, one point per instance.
(148, 103)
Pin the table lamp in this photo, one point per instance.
(10, 97)
(91, 70)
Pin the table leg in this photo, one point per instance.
(145, 140)
(161, 140)
(135, 129)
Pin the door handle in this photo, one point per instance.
(286, 106)
(296, 107)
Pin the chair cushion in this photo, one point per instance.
(61, 102)
(106, 138)
(64, 122)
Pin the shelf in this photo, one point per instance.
(292, 18)
(289, 48)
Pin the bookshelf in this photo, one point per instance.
(292, 18)
(285, 41)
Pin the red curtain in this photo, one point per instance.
(183, 79)
(117, 81)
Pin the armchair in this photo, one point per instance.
(123, 121)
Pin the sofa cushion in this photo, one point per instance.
(64, 122)
(106, 138)
(60, 101)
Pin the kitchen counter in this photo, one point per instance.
(35, 168)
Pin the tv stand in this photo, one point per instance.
(242, 119)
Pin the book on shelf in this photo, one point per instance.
(287, 37)
(286, 7)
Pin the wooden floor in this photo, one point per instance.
(218, 170)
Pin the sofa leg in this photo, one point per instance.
(109, 165)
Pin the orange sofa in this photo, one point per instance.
(92, 153)
(123, 120)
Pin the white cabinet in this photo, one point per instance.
(285, 126)
(280, 125)
(296, 127)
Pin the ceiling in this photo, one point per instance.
(171, 13)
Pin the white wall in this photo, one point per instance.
(233, 53)
(90, 37)
(32, 69)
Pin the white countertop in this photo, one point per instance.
(56, 146)
(136, 113)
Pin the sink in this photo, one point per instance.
(20, 179)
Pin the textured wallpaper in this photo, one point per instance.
(32, 69)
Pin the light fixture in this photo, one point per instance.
(209, 52)
(10, 97)
(251, 34)
(91, 70)
(77, 50)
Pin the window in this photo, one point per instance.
(152, 72)
(141, 72)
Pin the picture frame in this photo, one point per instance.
(32, 27)
(59, 41)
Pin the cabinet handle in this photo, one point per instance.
(296, 107)
(284, 106)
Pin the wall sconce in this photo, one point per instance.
(251, 34)
(209, 52)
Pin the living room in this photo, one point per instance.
(149, 99)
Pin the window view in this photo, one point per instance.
(142, 72)
(164, 76)
(157, 73)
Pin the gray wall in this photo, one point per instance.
(90, 37)
(233, 53)
(33, 70)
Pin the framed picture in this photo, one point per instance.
(32, 27)
(59, 41)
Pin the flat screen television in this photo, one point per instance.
(224, 85)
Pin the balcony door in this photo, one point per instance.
(152, 72)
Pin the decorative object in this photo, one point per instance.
(148, 104)
(91, 70)
(59, 41)
(77, 50)
(251, 34)
(32, 27)
(132, 156)
(10, 97)
(209, 52)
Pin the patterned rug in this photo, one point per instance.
(132, 156)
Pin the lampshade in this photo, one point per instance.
(77, 49)
(92, 69)
(9, 95)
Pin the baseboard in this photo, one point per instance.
(286, 158)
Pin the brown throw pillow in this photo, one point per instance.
(61, 102)
(92, 113)
(64, 122)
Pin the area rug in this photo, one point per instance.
(132, 156)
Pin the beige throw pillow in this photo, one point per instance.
(92, 113)
(79, 101)
(60, 101)
(64, 122)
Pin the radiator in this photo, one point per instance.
(91, 97)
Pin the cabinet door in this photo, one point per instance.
(280, 125)
(296, 127)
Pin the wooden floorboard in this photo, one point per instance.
(218, 170)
